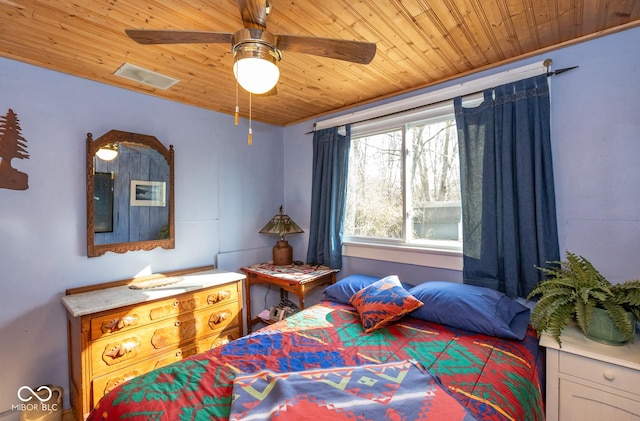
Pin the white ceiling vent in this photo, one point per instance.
(146, 76)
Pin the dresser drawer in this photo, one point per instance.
(584, 403)
(129, 318)
(101, 385)
(200, 346)
(126, 348)
(599, 372)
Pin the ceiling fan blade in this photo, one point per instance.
(254, 13)
(354, 51)
(164, 36)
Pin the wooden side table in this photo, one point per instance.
(298, 279)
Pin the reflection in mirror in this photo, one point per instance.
(129, 195)
(103, 202)
(137, 175)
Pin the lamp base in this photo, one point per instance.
(282, 253)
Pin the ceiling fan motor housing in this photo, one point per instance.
(255, 42)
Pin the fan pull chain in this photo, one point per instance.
(250, 135)
(237, 114)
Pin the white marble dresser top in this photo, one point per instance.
(84, 303)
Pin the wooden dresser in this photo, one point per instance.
(122, 329)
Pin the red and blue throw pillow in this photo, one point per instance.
(383, 302)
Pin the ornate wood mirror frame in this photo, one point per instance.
(128, 141)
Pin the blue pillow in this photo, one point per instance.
(343, 290)
(473, 308)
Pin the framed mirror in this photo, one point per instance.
(130, 193)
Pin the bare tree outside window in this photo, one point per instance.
(374, 192)
(425, 180)
(434, 178)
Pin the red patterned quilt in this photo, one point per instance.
(493, 378)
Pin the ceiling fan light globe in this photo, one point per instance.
(256, 75)
(107, 152)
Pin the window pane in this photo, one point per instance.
(374, 198)
(433, 178)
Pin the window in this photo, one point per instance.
(404, 181)
(413, 225)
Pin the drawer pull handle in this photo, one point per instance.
(222, 341)
(216, 318)
(115, 381)
(120, 351)
(177, 323)
(178, 354)
(218, 296)
(176, 303)
(609, 375)
(119, 323)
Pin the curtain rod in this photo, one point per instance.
(547, 63)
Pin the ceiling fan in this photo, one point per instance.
(256, 51)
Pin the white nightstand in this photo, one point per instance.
(589, 381)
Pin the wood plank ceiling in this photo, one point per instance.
(419, 43)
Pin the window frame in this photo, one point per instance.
(362, 246)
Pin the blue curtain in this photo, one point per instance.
(328, 196)
(506, 176)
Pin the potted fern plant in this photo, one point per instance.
(575, 290)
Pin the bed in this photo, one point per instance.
(331, 361)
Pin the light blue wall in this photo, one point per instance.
(225, 191)
(596, 133)
(596, 145)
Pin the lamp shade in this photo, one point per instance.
(255, 67)
(281, 225)
(108, 152)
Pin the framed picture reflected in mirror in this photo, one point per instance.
(148, 193)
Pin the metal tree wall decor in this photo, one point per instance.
(12, 145)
